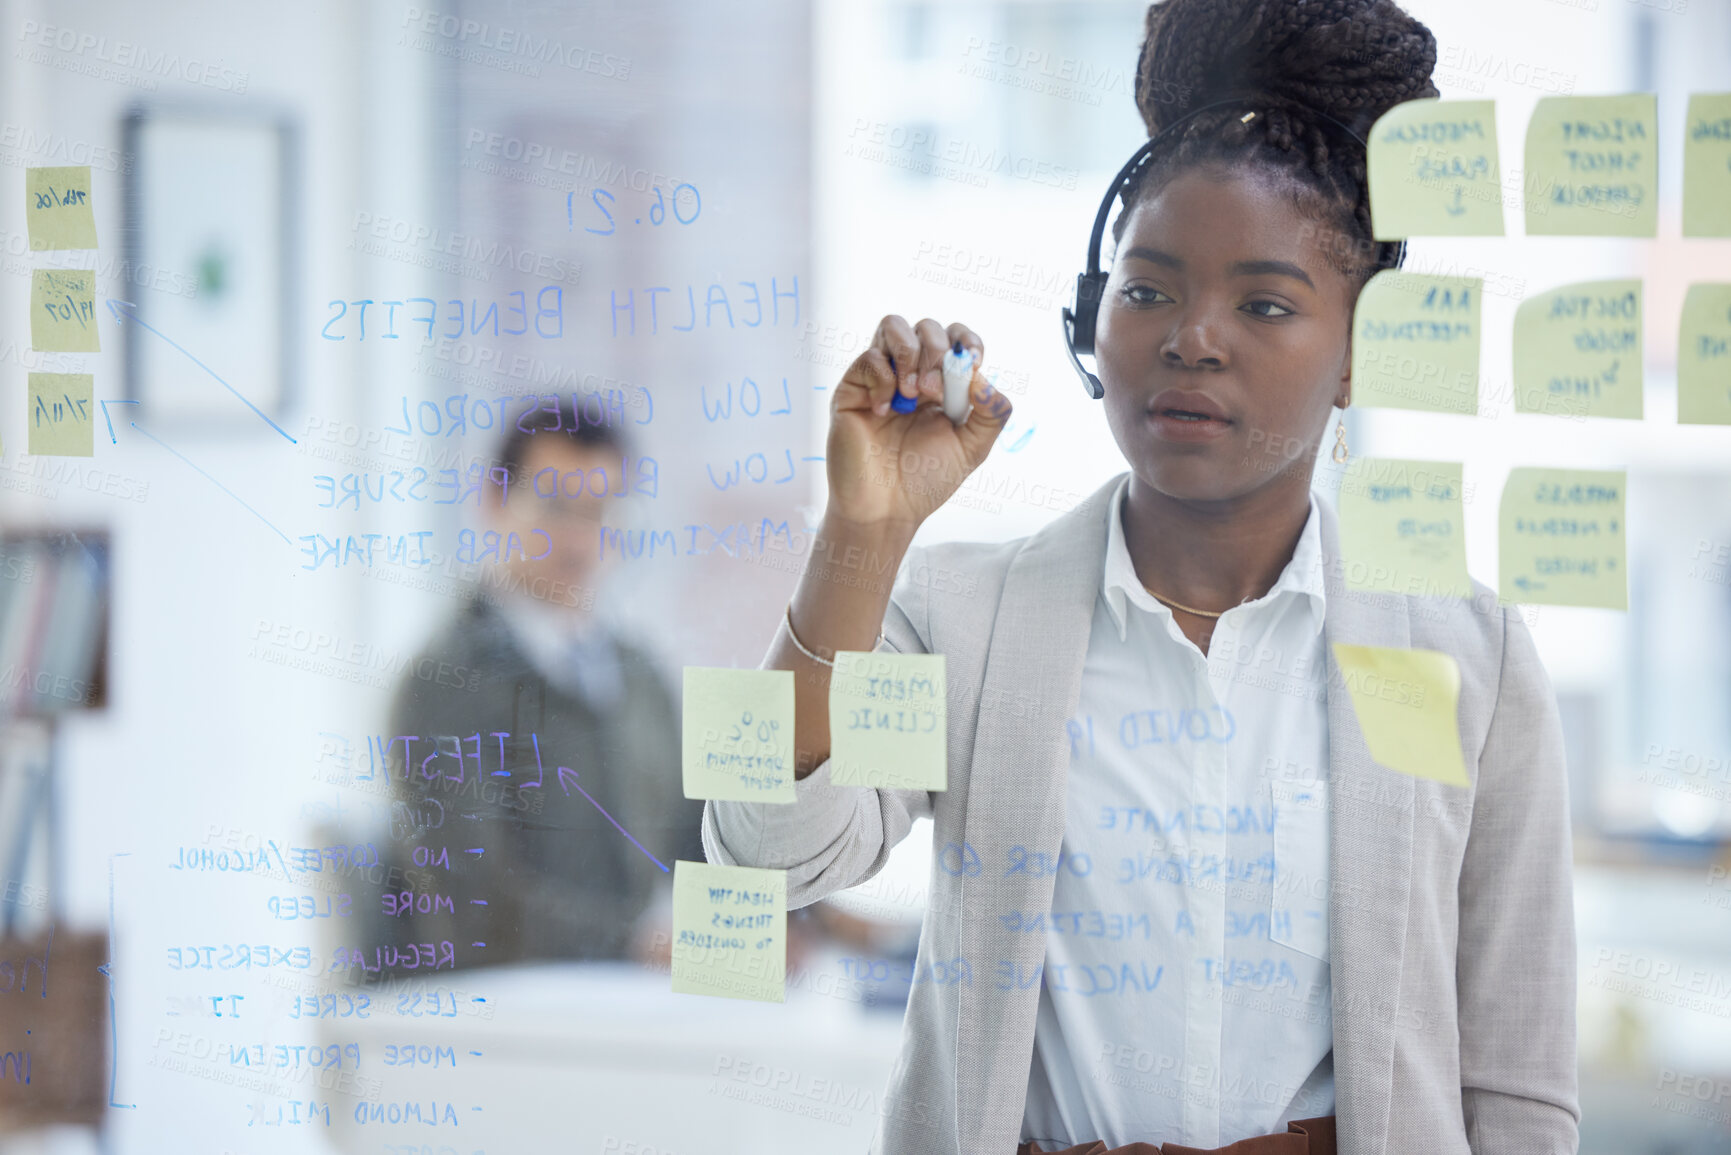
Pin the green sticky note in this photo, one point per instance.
(60, 419)
(63, 311)
(1592, 166)
(1433, 170)
(1704, 356)
(887, 721)
(729, 931)
(1707, 165)
(1415, 342)
(57, 208)
(737, 740)
(1401, 527)
(1406, 702)
(1578, 351)
(1560, 538)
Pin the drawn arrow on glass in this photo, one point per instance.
(110, 423)
(129, 311)
(115, 308)
(568, 779)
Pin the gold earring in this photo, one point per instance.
(1341, 454)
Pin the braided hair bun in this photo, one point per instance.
(1287, 61)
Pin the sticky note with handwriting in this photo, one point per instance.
(60, 419)
(57, 208)
(1707, 165)
(1704, 356)
(887, 721)
(1578, 351)
(737, 734)
(63, 311)
(1406, 702)
(1433, 170)
(1402, 529)
(729, 931)
(1561, 538)
(1415, 342)
(1592, 166)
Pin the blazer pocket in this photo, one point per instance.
(1298, 902)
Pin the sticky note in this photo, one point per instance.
(1707, 165)
(737, 739)
(1578, 351)
(1406, 703)
(887, 721)
(1560, 538)
(729, 931)
(1704, 356)
(1402, 529)
(60, 419)
(1415, 342)
(1433, 170)
(57, 208)
(63, 311)
(1592, 166)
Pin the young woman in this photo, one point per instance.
(1174, 900)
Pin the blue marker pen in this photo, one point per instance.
(958, 375)
(899, 403)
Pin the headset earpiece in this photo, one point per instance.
(1079, 324)
(1090, 287)
(1083, 315)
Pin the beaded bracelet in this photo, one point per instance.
(788, 614)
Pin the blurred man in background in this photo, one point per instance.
(554, 878)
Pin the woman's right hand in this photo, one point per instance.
(889, 468)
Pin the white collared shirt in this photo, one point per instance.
(1186, 988)
(573, 651)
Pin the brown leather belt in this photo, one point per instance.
(1302, 1137)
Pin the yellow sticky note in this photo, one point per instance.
(887, 724)
(729, 931)
(1561, 538)
(737, 739)
(1433, 170)
(1707, 165)
(1401, 527)
(1415, 342)
(57, 208)
(63, 311)
(1704, 356)
(1578, 351)
(1592, 166)
(1406, 702)
(61, 418)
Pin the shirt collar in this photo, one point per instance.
(1301, 577)
(547, 632)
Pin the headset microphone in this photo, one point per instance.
(1082, 316)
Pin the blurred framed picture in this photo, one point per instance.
(209, 282)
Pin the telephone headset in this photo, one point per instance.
(1079, 322)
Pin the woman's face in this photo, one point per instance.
(1223, 338)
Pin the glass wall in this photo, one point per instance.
(343, 251)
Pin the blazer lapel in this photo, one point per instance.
(1370, 866)
(1015, 810)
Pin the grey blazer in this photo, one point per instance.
(1451, 920)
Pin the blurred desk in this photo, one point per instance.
(601, 1057)
(1654, 999)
